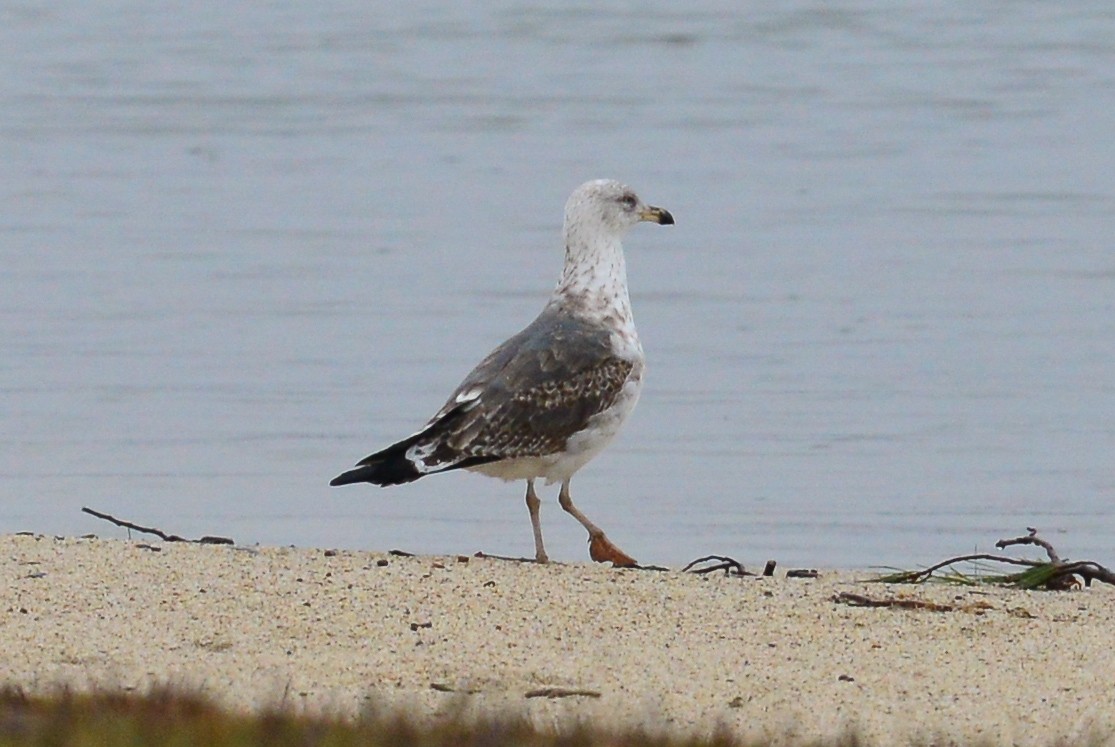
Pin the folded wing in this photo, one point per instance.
(525, 399)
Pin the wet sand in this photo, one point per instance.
(310, 629)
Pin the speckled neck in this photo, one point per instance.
(594, 281)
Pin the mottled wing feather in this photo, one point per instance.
(539, 420)
(529, 395)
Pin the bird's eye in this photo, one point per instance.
(628, 201)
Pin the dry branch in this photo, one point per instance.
(1055, 574)
(1032, 539)
(858, 600)
(561, 692)
(916, 577)
(730, 566)
(206, 540)
(443, 687)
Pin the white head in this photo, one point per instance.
(609, 206)
(597, 216)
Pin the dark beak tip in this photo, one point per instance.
(665, 218)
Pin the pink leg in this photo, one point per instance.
(600, 548)
(533, 505)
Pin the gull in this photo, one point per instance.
(549, 399)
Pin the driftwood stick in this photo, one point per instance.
(206, 540)
(915, 576)
(858, 600)
(443, 687)
(129, 525)
(730, 566)
(1087, 570)
(562, 692)
(1032, 539)
(1053, 574)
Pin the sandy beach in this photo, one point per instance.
(313, 629)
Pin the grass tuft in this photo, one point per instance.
(165, 717)
(177, 719)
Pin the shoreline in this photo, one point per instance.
(336, 631)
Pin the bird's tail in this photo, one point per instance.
(388, 467)
(426, 452)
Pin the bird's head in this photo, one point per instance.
(611, 206)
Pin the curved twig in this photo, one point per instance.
(730, 566)
(914, 577)
(1032, 539)
(206, 540)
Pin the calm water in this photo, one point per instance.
(245, 245)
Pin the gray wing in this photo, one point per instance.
(532, 392)
(525, 399)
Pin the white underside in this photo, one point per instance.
(581, 447)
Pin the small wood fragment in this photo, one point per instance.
(561, 692)
(859, 600)
(803, 573)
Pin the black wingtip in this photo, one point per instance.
(395, 470)
(342, 480)
(371, 473)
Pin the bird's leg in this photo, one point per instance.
(536, 523)
(600, 548)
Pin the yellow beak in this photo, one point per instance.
(657, 215)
